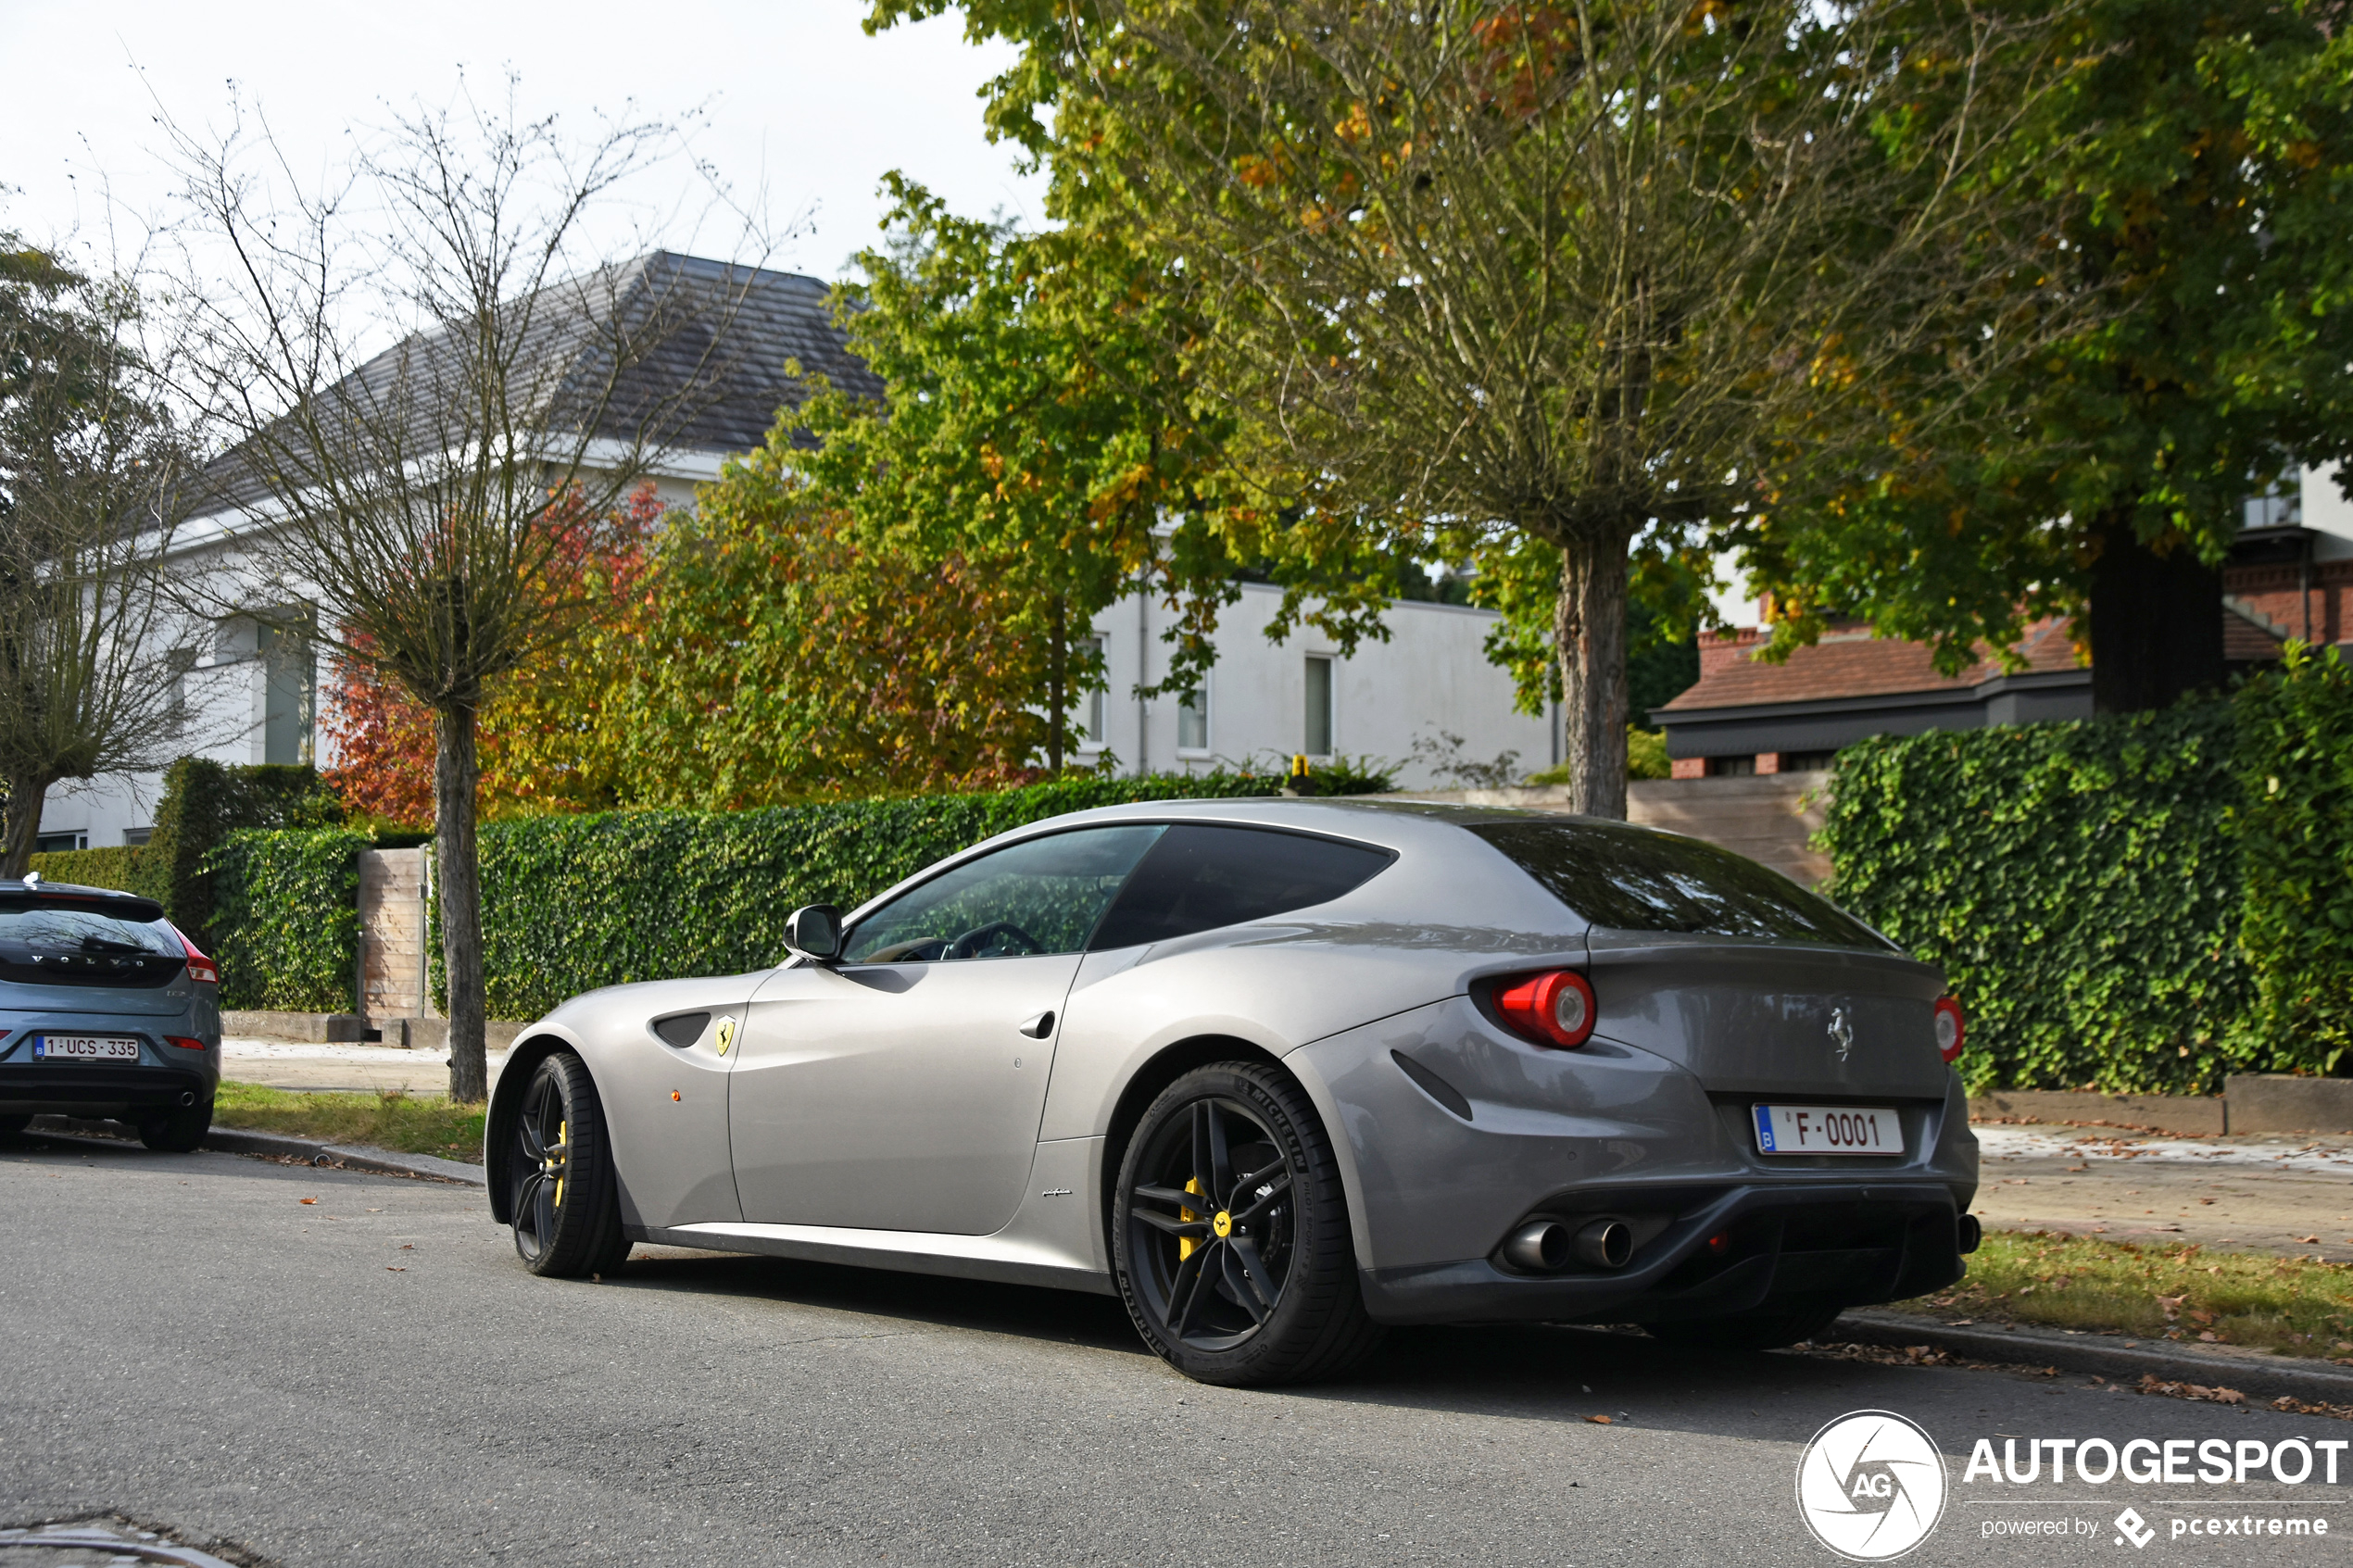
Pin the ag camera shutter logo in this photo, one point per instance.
(1870, 1486)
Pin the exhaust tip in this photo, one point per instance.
(1605, 1244)
(1541, 1246)
(1972, 1233)
(187, 1097)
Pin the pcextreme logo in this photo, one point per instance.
(1870, 1486)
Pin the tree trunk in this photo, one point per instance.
(458, 871)
(1588, 638)
(1057, 681)
(25, 797)
(2155, 621)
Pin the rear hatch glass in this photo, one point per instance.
(1625, 878)
(77, 943)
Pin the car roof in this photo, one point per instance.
(111, 900)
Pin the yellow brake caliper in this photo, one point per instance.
(1186, 1244)
(563, 1141)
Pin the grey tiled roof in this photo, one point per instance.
(711, 339)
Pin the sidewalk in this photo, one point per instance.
(2252, 1192)
(280, 1064)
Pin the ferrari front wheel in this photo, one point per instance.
(565, 1201)
(1230, 1233)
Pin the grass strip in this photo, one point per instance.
(427, 1124)
(2294, 1306)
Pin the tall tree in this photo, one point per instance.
(1036, 427)
(417, 497)
(1507, 272)
(95, 473)
(2197, 163)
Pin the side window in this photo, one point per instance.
(1042, 895)
(1198, 877)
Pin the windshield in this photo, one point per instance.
(1626, 878)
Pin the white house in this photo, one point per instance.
(253, 687)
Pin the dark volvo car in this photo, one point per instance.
(106, 1010)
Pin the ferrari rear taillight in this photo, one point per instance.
(1950, 1030)
(1554, 1008)
(199, 967)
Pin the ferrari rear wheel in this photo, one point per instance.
(1765, 1330)
(566, 1202)
(1230, 1233)
(11, 1125)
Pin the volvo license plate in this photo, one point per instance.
(1828, 1129)
(86, 1048)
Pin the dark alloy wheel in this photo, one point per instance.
(1765, 1330)
(566, 1204)
(1230, 1233)
(179, 1131)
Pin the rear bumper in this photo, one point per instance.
(1854, 1243)
(103, 1089)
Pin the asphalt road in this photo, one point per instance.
(371, 1378)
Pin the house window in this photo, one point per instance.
(287, 694)
(1319, 708)
(2276, 508)
(51, 843)
(1192, 719)
(137, 836)
(1731, 767)
(1806, 761)
(1090, 711)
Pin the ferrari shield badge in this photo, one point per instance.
(726, 1036)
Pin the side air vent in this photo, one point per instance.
(681, 1029)
(1433, 1085)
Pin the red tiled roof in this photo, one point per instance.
(1849, 662)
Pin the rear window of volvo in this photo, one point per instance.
(1626, 878)
(65, 943)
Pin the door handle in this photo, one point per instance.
(1038, 1027)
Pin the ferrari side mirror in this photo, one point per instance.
(813, 931)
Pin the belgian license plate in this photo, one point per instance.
(87, 1047)
(1827, 1129)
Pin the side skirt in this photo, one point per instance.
(1002, 1259)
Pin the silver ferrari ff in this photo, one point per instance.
(1279, 1073)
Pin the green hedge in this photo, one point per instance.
(117, 868)
(573, 903)
(286, 920)
(2143, 903)
(2296, 772)
(204, 802)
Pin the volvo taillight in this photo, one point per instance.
(1950, 1029)
(199, 967)
(1554, 1008)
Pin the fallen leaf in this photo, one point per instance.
(1599, 1419)
(2307, 1241)
(392, 1270)
(309, 1200)
(2206, 1335)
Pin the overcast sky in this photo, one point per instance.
(796, 97)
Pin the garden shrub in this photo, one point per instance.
(203, 802)
(117, 867)
(2296, 834)
(286, 922)
(2078, 883)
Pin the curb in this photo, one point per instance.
(238, 1140)
(2264, 1376)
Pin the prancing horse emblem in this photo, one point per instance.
(727, 1036)
(1842, 1033)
